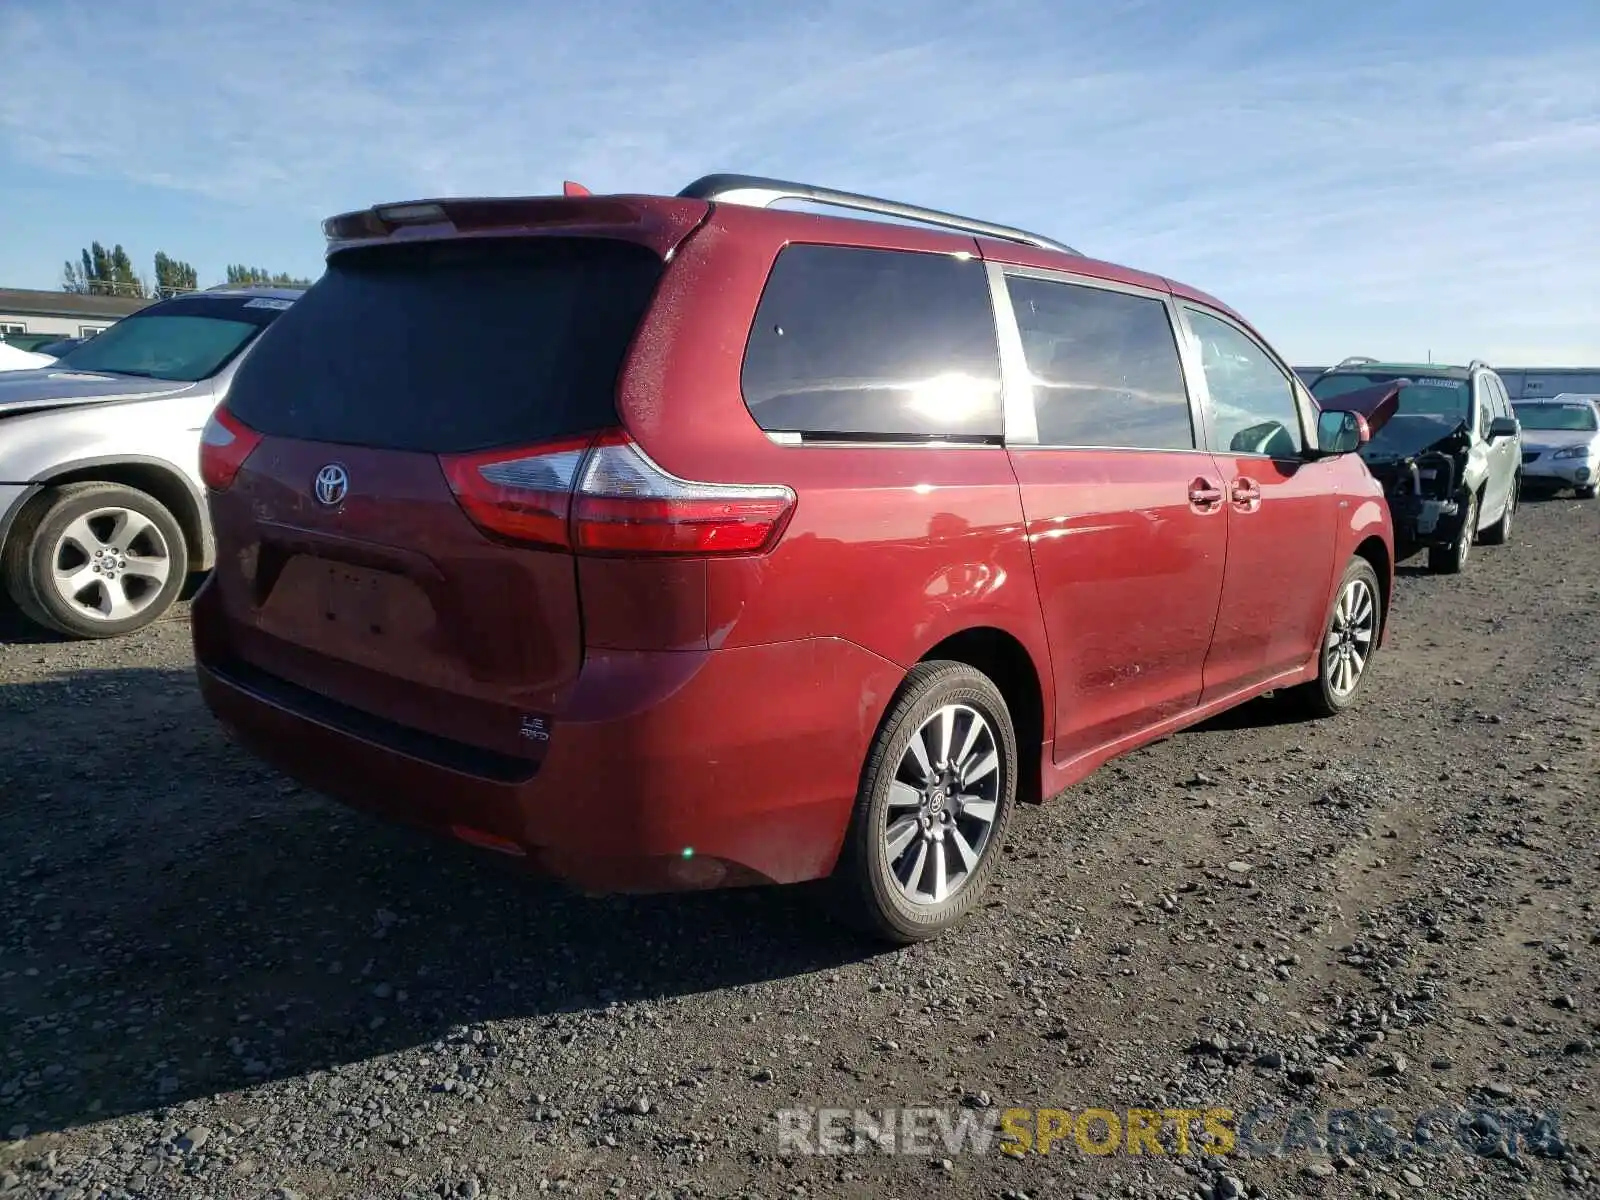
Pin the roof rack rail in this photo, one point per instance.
(1355, 360)
(1476, 363)
(759, 192)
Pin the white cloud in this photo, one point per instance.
(1379, 201)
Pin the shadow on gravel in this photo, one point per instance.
(178, 920)
(1264, 712)
(17, 630)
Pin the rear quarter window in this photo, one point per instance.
(864, 343)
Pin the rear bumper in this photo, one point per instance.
(743, 770)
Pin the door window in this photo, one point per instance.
(1253, 408)
(1104, 367)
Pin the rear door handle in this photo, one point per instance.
(1246, 494)
(1204, 496)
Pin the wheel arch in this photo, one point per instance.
(1006, 661)
(153, 476)
(1376, 552)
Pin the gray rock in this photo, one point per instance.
(195, 1139)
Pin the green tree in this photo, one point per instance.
(241, 275)
(103, 272)
(174, 276)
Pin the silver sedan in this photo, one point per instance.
(1561, 443)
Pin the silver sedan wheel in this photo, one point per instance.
(1350, 637)
(110, 564)
(942, 804)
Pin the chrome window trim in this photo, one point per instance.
(1113, 449)
(1297, 391)
(1021, 421)
(791, 439)
(1018, 425)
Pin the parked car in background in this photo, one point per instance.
(1561, 443)
(1449, 460)
(101, 510)
(788, 546)
(60, 346)
(13, 359)
(34, 343)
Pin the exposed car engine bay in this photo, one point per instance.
(1421, 462)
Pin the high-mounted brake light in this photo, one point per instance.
(225, 444)
(605, 496)
(410, 214)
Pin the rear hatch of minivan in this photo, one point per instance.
(359, 467)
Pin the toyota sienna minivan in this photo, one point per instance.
(692, 541)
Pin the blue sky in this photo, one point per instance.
(1385, 177)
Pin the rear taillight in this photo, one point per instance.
(525, 496)
(605, 496)
(225, 444)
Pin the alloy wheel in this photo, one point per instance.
(1469, 529)
(943, 804)
(110, 564)
(1350, 637)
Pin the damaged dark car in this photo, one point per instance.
(1444, 444)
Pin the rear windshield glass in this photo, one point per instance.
(448, 347)
(1576, 418)
(184, 340)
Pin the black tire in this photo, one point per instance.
(1323, 696)
(1499, 533)
(36, 540)
(1585, 493)
(863, 891)
(1452, 559)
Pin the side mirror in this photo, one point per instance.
(1341, 432)
(1503, 427)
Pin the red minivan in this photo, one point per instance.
(686, 542)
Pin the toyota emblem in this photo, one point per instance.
(332, 485)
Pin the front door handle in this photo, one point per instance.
(1246, 494)
(1204, 496)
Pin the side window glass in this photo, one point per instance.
(1483, 406)
(869, 342)
(1253, 408)
(1104, 366)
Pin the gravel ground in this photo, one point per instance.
(213, 983)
